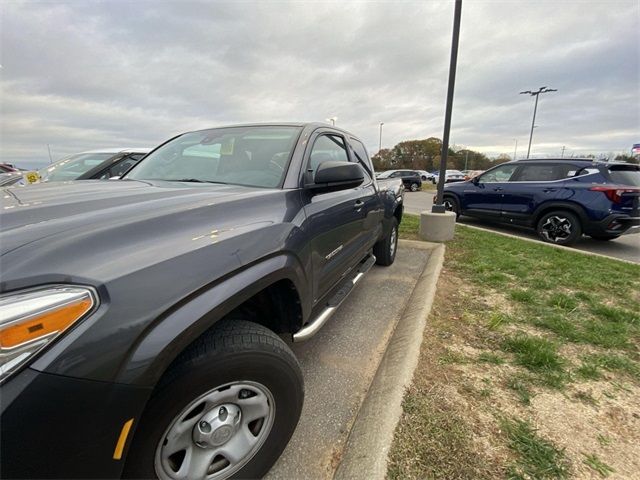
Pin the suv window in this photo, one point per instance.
(625, 174)
(327, 148)
(544, 173)
(502, 173)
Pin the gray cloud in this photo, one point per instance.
(84, 75)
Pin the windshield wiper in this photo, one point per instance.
(194, 180)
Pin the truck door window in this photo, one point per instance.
(327, 148)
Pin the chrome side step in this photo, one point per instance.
(311, 328)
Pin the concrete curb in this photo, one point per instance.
(539, 242)
(367, 447)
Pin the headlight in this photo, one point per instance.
(30, 320)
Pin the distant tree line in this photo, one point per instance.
(425, 155)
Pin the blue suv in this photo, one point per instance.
(560, 198)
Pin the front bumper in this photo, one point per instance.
(60, 427)
(614, 224)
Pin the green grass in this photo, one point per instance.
(488, 357)
(598, 465)
(536, 457)
(592, 364)
(535, 354)
(432, 441)
(409, 227)
(523, 305)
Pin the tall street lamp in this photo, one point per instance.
(535, 108)
(332, 120)
(438, 206)
(380, 144)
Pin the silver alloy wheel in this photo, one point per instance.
(414, 187)
(448, 205)
(217, 433)
(394, 241)
(556, 228)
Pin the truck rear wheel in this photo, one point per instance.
(226, 408)
(385, 249)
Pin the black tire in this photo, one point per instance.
(604, 238)
(232, 351)
(452, 205)
(559, 227)
(433, 180)
(385, 249)
(414, 187)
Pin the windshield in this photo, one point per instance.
(251, 156)
(625, 174)
(71, 167)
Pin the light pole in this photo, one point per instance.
(535, 109)
(562, 154)
(332, 120)
(438, 206)
(380, 144)
(515, 149)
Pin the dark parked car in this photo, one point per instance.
(141, 320)
(560, 198)
(410, 178)
(92, 165)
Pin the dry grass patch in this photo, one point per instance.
(538, 378)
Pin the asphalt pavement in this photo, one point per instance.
(339, 364)
(627, 247)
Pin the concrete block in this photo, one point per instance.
(437, 227)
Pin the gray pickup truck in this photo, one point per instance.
(142, 320)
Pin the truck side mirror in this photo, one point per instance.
(333, 175)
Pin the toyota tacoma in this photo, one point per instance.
(143, 320)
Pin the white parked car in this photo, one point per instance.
(450, 176)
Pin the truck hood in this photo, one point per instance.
(101, 218)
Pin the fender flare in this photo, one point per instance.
(177, 328)
(558, 205)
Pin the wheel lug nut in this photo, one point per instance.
(222, 413)
(205, 427)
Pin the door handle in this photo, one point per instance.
(497, 189)
(358, 205)
(549, 190)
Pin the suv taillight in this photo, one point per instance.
(614, 193)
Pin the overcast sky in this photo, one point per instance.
(81, 75)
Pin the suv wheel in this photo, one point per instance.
(414, 187)
(559, 227)
(451, 205)
(385, 249)
(226, 407)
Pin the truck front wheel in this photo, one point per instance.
(226, 408)
(385, 249)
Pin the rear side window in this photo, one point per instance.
(625, 174)
(361, 155)
(544, 173)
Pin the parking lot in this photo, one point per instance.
(626, 247)
(339, 364)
